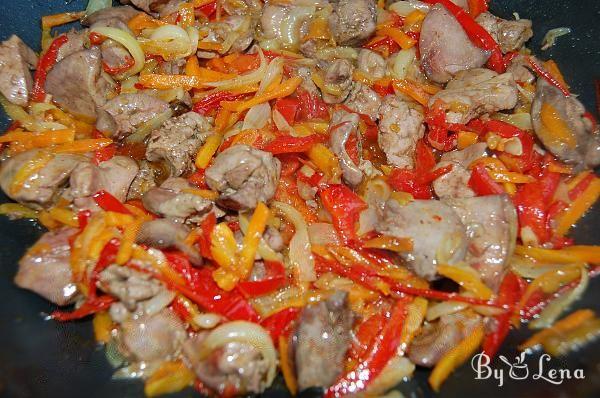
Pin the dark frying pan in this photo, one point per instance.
(40, 358)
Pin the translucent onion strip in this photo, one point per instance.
(557, 306)
(244, 332)
(129, 42)
(300, 252)
(243, 80)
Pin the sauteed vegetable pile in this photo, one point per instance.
(338, 190)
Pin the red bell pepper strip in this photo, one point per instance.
(208, 10)
(404, 180)
(479, 36)
(288, 107)
(279, 324)
(417, 182)
(365, 335)
(107, 257)
(109, 203)
(548, 77)
(386, 42)
(533, 201)
(115, 70)
(439, 136)
(104, 154)
(581, 187)
(46, 62)
(212, 101)
(276, 279)
(290, 163)
(482, 184)
(310, 106)
(377, 356)
(83, 216)
(477, 7)
(89, 307)
(289, 144)
(345, 207)
(509, 294)
(180, 309)
(198, 179)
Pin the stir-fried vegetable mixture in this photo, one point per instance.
(232, 188)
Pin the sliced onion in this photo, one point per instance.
(207, 320)
(136, 370)
(331, 53)
(528, 269)
(321, 233)
(282, 124)
(274, 73)
(396, 370)
(434, 311)
(257, 117)
(243, 332)
(96, 5)
(129, 42)
(158, 302)
(522, 120)
(402, 62)
(289, 30)
(147, 127)
(403, 8)
(552, 35)
(243, 80)
(547, 317)
(300, 252)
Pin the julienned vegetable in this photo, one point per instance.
(245, 207)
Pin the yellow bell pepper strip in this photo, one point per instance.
(283, 90)
(165, 82)
(82, 146)
(573, 339)
(28, 169)
(223, 247)
(103, 326)
(286, 367)
(567, 323)
(556, 126)
(17, 210)
(186, 15)
(578, 208)
(27, 140)
(373, 361)
(64, 216)
(172, 376)
(555, 72)
(50, 21)
(466, 139)
(551, 281)
(82, 129)
(392, 243)
(398, 36)
(467, 278)
(144, 21)
(207, 151)
(326, 161)
(414, 318)
(255, 231)
(510, 176)
(413, 21)
(455, 357)
(412, 89)
(571, 254)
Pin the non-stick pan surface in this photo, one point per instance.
(40, 358)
